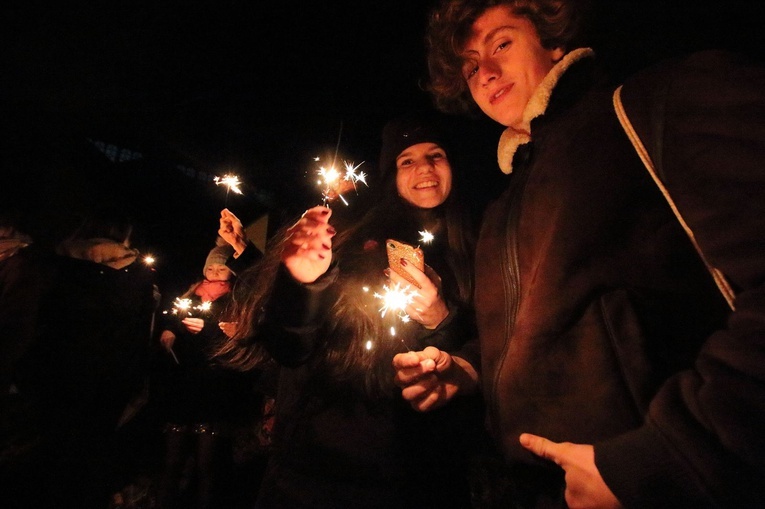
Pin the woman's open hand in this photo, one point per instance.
(307, 252)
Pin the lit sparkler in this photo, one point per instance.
(426, 237)
(396, 299)
(185, 306)
(149, 260)
(335, 183)
(182, 306)
(231, 182)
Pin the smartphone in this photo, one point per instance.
(398, 250)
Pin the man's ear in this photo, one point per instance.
(557, 53)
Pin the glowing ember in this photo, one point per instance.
(232, 182)
(335, 183)
(182, 306)
(426, 237)
(396, 299)
(185, 306)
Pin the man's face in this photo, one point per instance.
(504, 61)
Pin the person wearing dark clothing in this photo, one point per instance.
(615, 372)
(198, 400)
(89, 357)
(343, 437)
(23, 277)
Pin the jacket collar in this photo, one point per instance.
(103, 251)
(512, 138)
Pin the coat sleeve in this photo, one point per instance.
(702, 442)
(294, 315)
(248, 258)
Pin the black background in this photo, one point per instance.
(204, 88)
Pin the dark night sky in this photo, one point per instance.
(230, 84)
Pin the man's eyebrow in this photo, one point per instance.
(489, 36)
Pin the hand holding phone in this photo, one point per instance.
(397, 251)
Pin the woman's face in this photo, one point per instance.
(504, 61)
(217, 272)
(423, 175)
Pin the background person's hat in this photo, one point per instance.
(219, 255)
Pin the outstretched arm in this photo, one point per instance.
(232, 231)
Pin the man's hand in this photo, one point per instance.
(585, 488)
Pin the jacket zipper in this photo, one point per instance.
(510, 276)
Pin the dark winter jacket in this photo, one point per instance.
(91, 350)
(189, 386)
(342, 441)
(22, 279)
(598, 322)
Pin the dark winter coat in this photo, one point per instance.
(92, 344)
(340, 440)
(598, 323)
(189, 387)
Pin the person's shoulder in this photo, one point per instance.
(703, 65)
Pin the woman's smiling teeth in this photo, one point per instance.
(426, 184)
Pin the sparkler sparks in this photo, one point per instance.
(426, 237)
(232, 183)
(182, 306)
(335, 183)
(395, 299)
(185, 306)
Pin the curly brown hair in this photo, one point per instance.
(559, 23)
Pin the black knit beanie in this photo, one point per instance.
(408, 130)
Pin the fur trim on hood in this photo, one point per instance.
(512, 138)
(11, 245)
(104, 251)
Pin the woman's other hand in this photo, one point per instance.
(430, 378)
(427, 307)
(193, 325)
(167, 338)
(228, 328)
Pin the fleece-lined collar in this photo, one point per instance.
(11, 244)
(512, 138)
(104, 251)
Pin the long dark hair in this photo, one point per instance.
(353, 321)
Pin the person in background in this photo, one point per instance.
(614, 372)
(22, 283)
(89, 357)
(343, 437)
(198, 400)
